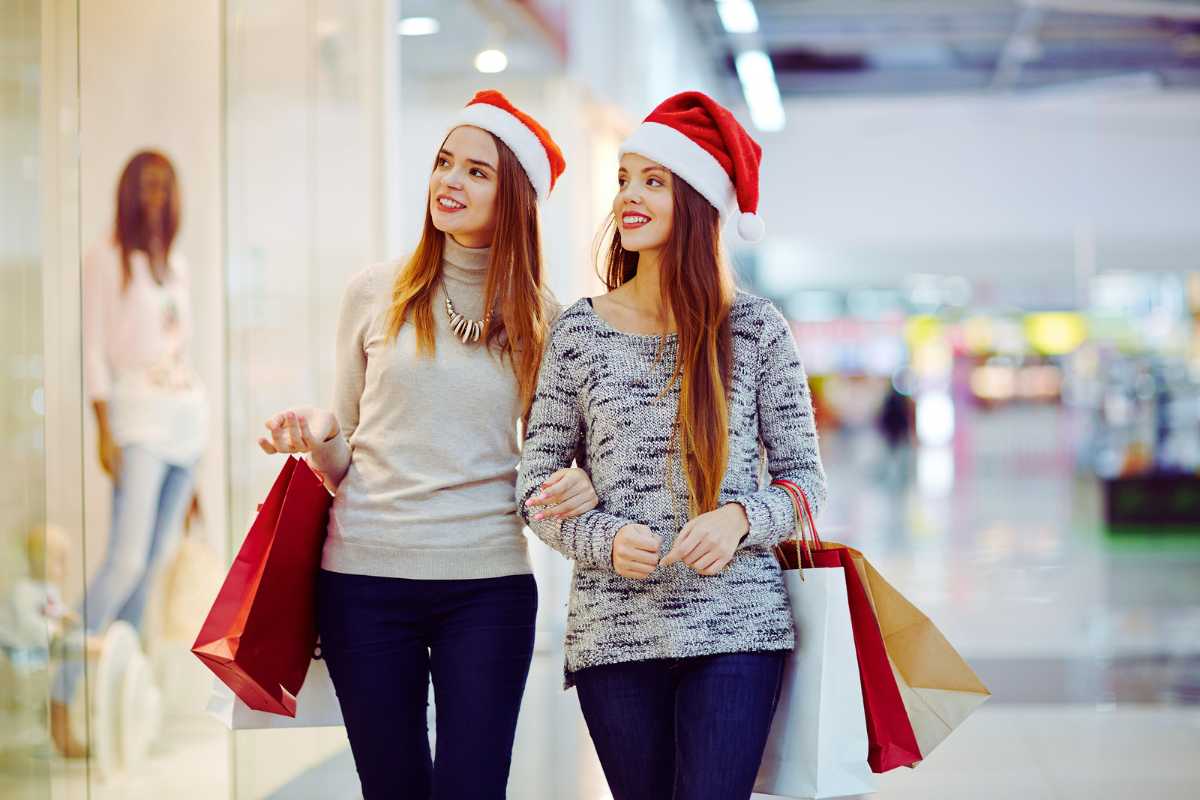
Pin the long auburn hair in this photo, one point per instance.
(132, 231)
(513, 290)
(698, 287)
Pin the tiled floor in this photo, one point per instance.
(1090, 644)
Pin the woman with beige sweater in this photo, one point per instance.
(425, 573)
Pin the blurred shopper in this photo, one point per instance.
(425, 571)
(671, 383)
(151, 412)
(895, 425)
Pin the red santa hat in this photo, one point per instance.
(699, 140)
(530, 142)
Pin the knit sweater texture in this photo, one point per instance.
(432, 440)
(599, 393)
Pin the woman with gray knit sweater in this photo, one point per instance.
(673, 385)
(425, 572)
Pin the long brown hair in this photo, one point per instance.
(698, 287)
(132, 231)
(513, 291)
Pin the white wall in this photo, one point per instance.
(1009, 190)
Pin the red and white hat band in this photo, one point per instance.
(685, 158)
(520, 139)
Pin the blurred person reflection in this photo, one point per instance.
(151, 412)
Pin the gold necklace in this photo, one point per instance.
(464, 328)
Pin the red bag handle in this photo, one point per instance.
(806, 528)
(803, 509)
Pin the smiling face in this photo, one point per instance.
(644, 205)
(462, 188)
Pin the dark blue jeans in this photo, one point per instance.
(682, 729)
(383, 638)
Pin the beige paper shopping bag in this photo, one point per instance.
(939, 688)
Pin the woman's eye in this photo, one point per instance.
(478, 173)
(621, 182)
(654, 182)
(441, 162)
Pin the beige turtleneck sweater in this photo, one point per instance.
(433, 441)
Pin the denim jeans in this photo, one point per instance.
(682, 729)
(384, 638)
(150, 498)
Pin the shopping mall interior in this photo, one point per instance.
(982, 222)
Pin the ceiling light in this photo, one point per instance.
(490, 61)
(757, 77)
(418, 26)
(737, 16)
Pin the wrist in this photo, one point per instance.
(332, 430)
(739, 517)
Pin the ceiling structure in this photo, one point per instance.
(908, 47)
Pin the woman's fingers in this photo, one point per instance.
(307, 433)
(578, 499)
(281, 440)
(299, 443)
(635, 569)
(701, 550)
(568, 508)
(685, 547)
(643, 557)
(266, 446)
(555, 477)
(556, 488)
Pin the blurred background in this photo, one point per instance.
(983, 220)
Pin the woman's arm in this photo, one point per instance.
(555, 430)
(788, 432)
(101, 293)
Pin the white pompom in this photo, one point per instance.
(750, 226)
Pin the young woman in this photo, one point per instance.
(425, 571)
(679, 622)
(150, 409)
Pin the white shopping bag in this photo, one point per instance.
(817, 747)
(316, 705)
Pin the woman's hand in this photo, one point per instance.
(567, 493)
(110, 455)
(707, 542)
(298, 430)
(635, 551)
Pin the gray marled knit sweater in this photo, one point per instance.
(599, 387)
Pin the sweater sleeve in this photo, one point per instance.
(555, 433)
(350, 369)
(788, 433)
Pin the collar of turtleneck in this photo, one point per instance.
(466, 264)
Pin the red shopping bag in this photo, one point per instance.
(260, 634)
(889, 731)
